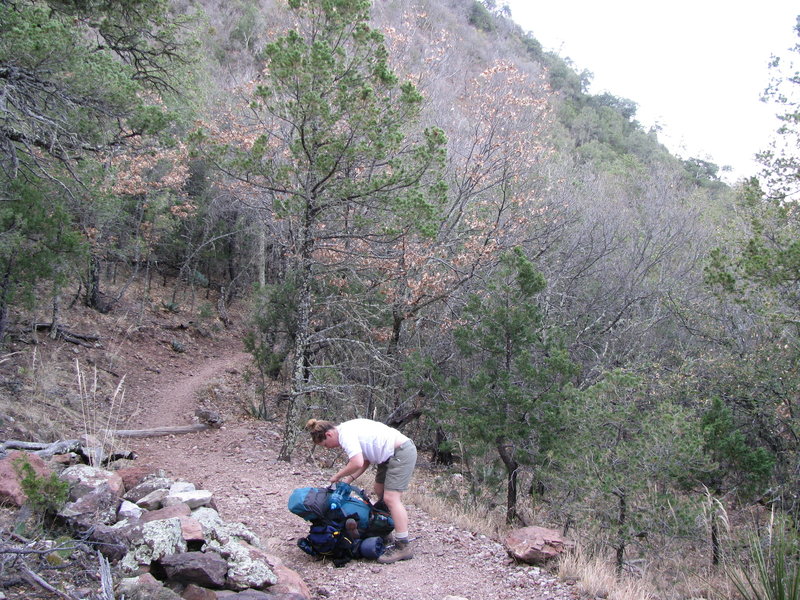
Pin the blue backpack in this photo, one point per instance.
(327, 509)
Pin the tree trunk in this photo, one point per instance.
(715, 543)
(56, 312)
(622, 518)
(261, 260)
(302, 340)
(512, 471)
(5, 292)
(93, 284)
(441, 457)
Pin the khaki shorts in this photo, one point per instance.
(395, 473)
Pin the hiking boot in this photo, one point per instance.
(352, 529)
(400, 551)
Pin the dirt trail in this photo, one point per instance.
(238, 464)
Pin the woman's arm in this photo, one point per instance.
(353, 469)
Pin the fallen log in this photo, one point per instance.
(159, 431)
(43, 449)
(210, 419)
(49, 449)
(81, 339)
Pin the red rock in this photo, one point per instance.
(133, 476)
(536, 545)
(170, 512)
(195, 592)
(10, 488)
(289, 582)
(191, 529)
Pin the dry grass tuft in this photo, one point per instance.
(426, 491)
(596, 576)
(101, 414)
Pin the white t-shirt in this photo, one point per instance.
(374, 440)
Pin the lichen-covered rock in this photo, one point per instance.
(154, 541)
(214, 528)
(211, 522)
(245, 571)
(83, 479)
(289, 581)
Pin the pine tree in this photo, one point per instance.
(333, 150)
(519, 373)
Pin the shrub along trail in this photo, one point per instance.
(238, 463)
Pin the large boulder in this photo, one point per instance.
(536, 545)
(10, 487)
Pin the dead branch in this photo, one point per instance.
(34, 578)
(106, 581)
(81, 339)
(44, 552)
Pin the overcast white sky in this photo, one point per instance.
(695, 67)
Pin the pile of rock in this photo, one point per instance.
(168, 541)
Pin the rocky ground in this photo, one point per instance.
(172, 370)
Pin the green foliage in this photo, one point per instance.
(735, 458)
(623, 457)
(762, 269)
(755, 395)
(273, 328)
(45, 495)
(480, 17)
(518, 371)
(74, 72)
(37, 241)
